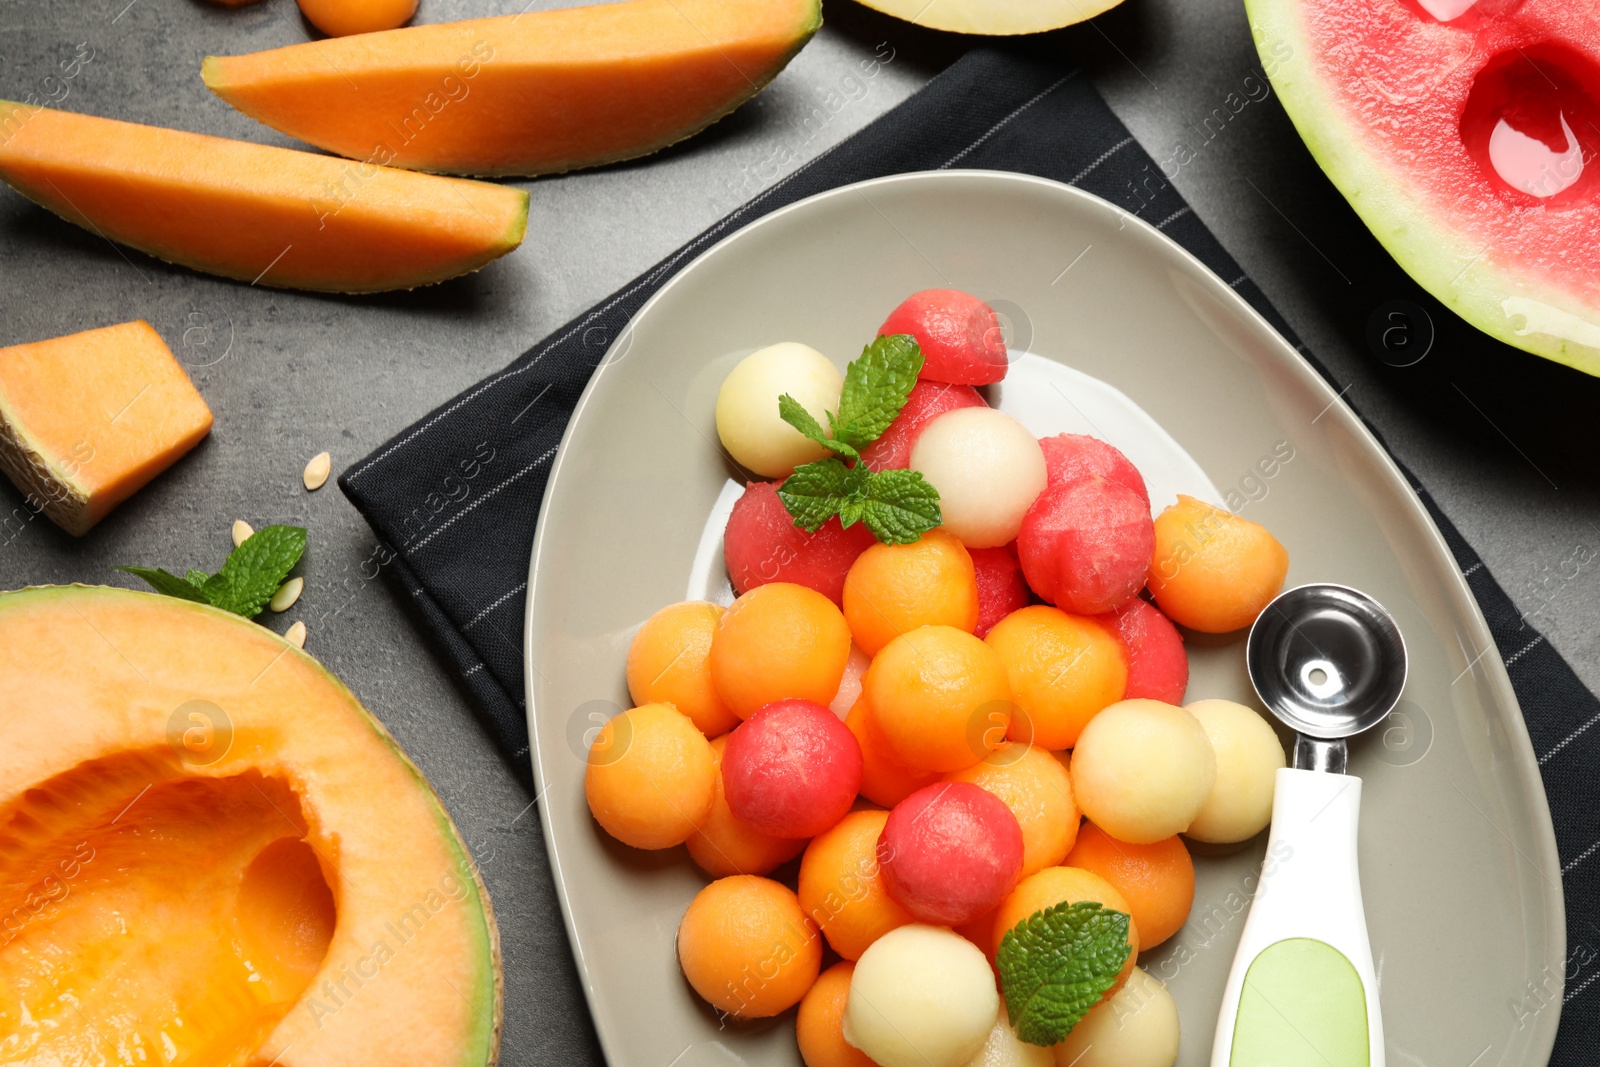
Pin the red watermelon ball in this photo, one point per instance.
(950, 852)
(926, 402)
(1001, 587)
(762, 544)
(959, 334)
(1068, 456)
(791, 770)
(1158, 667)
(1086, 545)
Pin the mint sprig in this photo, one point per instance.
(1056, 964)
(898, 506)
(249, 576)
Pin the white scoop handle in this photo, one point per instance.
(1302, 992)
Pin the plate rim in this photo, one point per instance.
(1288, 357)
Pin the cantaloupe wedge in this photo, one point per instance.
(87, 419)
(212, 856)
(268, 216)
(522, 94)
(993, 17)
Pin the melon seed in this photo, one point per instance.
(287, 594)
(296, 635)
(241, 532)
(316, 472)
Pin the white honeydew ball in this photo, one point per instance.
(1005, 1049)
(988, 470)
(921, 996)
(1138, 1027)
(747, 406)
(849, 690)
(1249, 757)
(1142, 770)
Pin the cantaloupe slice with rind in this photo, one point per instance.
(263, 215)
(993, 17)
(210, 852)
(535, 93)
(1489, 201)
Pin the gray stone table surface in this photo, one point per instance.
(1505, 441)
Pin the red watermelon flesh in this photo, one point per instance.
(1073, 455)
(1158, 667)
(1001, 587)
(1466, 136)
(762, 544)
(960, 336)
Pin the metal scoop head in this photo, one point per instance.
(1328, 661)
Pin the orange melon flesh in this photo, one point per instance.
(522, 94)
(87, 419)
(211, 855)
(268, 216)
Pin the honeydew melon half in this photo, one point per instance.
(993, 17)
(212, 855)
(1464, 133)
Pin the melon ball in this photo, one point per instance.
(950, 852)
(747, 406)
(1005, 1049)
(1001, 587)
(651, 778)
(1249, 757)
(1142, 770)
(747, 948)
(921, 996)
(1158, 666)
(960, 336)
(926, 402)
(791, 770)
(1138, 1027)
(762, 544)
(1070, 456)
(819, 1024)
(1212, 570)
(988, 470)
(1086, 545)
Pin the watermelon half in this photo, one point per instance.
(1465, 136)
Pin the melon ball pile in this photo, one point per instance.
(888, 757)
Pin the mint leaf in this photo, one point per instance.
(256, 568)
(169, 584)
(817, 492)
(875, 389)
(1056, 964)
(197, 578)
(794, 413)
(900, 506)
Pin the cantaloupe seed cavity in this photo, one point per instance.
(206, 889)
(1531, 122)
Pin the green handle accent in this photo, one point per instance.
(1302, 1005)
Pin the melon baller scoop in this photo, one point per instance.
(1329, 662)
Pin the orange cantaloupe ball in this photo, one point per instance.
(1056, 885)
(1214, 571)
(819, 1024)
(747, 948)
(885, 779)
(723, 845)
(340, 18)
(669, 662)
(651, 777)
(1062, 669)
(940, 698)
(1157, 879)
(891, 589)
(779, 641)
(1142, 770)
(842, 889)
(1038, 790)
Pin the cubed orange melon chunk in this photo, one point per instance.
(264, 215)
(88, 419)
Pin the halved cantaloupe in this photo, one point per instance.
(211, 855)
(523, 94)
(268, 216)
(993, 17)
(87, 419)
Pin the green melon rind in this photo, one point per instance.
(484, 1046)
(1493, 298)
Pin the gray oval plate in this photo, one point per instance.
(1458, 859)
